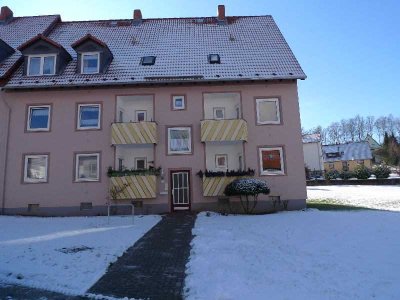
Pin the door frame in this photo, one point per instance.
(175, 170)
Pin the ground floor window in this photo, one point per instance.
(221, 161)
(35, 168)
(331, 166)
(87, 167)
(271, 161)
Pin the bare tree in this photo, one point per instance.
(370, 125)
(334, 133)
(381, 127)
(360, 128)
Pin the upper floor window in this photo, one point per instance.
(268, 111)
(219, 113)
(178, 102)
(141, 115)
(89, 116)
(179, 140)
(35, 168)
(38, 118)
(90, 63)
(41, 65)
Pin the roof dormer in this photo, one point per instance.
(5, 50)
(94, 56)
(43, 56)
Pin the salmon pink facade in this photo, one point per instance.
(81, 136)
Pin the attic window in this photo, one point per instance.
(90, 63)
(214, 59)
(148, 60)
(41, 65)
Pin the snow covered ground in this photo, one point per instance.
(296, 255)
(66, 255)
(370, 196)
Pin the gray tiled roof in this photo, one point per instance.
(18, 31)
(251, 48)
(311, 138)
(349, 151)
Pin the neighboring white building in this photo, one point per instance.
(313, 158)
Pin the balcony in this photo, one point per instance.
(134, 133)
(215, 186)
(133, 187)
(223, 130)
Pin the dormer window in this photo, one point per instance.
(214, 59)
(90, 63)
(41, 65)
(148, 60)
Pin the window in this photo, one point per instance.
(214, 59)
(221, 161)
(360, 162)
(38, 118)
(140, 163)
(271, 161)
(90, 63)
(331, 166)
(120, 164)
(178, 102)
(88, 116)
(87, 167)
(219, 113)
(148, 60)
(41, 65)
(345, 166)
(35, 168)
(179, 140)
(141, 115)
(268, 111)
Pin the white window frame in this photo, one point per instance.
(141, 158)
(83, 54)
(278, 111)
(41, 56)
(176, 97)
(30, 180)
(78, 125)
(137, 112)
(221, 167)
(215, 113)
(28, 121)
(281, 171)
(189, 129)
(77, 156)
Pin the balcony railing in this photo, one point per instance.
(133, 187)
(215, 186)
(134, 133)
(223, 130)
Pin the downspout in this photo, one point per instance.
(3, 196)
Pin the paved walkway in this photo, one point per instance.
(154, 268)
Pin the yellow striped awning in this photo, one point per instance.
(223, 130)
(215, 186)
(134, 187)
(134, 133)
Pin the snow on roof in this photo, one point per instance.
(250, 48)
(18, 31)
(311, 138)
(349, 151)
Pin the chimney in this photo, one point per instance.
(6, 14)
(137, 17)
(221, 12)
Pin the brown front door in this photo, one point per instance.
(180, 190)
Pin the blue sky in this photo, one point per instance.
(349, 49)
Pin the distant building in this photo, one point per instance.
(345, 157)
(313, 158)
(373, 145)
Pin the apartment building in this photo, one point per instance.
(162, 113)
